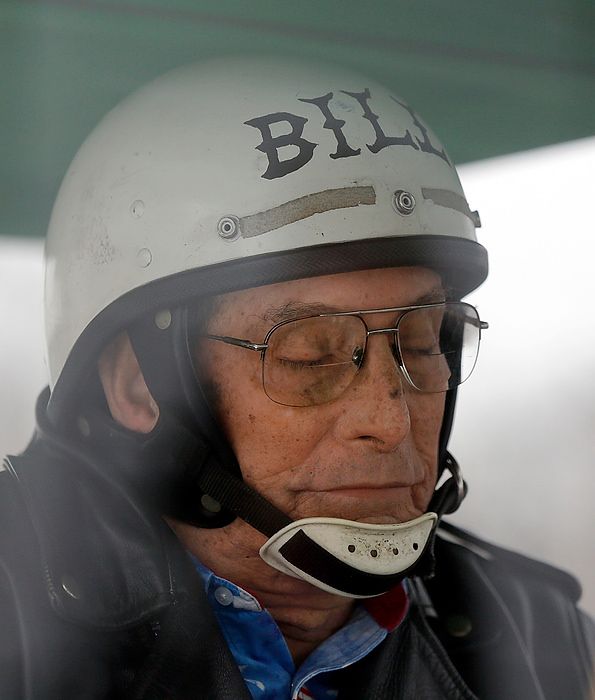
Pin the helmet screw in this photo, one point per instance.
(144, 257)
(137, 209)
(228, 227)
(403, 202)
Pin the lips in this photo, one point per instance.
(366, 491)
(366, 486)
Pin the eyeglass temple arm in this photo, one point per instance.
(482, 325)
(259, 347)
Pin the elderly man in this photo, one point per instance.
(238, 479)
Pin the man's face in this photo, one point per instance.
(369, 455)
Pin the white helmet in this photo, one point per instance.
(242, 172)
(232, 174)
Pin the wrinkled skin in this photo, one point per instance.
(370, 455)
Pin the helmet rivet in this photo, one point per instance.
(163, 319)
(137, 209)
(210, 504)
(228, 227)
(403, 202)
(144, 257)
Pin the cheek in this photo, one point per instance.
(426, 413)
(267, 438)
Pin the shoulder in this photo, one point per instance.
(21, 570)
(539, 598)
(455, 544)
(490, 597)
(21, 584)
(44, 654)
(19, 549)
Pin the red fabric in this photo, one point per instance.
(389, 609)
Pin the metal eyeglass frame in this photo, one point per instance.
(262, 347)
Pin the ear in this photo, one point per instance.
(128, 397)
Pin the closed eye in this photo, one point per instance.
(301, 364)
(422, 352)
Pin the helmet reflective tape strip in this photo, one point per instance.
(356, 560)
(303, 207)
(319, 202)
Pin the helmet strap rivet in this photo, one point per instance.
(163, 319)
(228, 227)
(209, 503)
(403, 202)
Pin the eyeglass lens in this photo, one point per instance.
(311, 361)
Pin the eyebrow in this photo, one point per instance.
(297, 309)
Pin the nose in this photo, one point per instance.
(374, 407)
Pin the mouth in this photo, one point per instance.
(365, 490)
(385, 504)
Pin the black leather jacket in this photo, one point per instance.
(99, 600)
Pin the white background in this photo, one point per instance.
(525, 426)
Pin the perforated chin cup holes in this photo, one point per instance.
(374, 552)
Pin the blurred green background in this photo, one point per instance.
(490, 77)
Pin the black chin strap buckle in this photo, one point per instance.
(448, 497)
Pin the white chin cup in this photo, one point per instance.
(382, 550)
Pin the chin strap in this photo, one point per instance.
(347, 558)
(351, 559)
(449, 496)
(356, 560)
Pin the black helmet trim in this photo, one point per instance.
(462, 264)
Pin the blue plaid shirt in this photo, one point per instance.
(262, 654)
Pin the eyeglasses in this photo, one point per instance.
(312, 360)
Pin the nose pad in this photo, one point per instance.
(396, 353)
(357, 357)
(380, 358)
(359, 352)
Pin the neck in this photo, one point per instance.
(305, 614)
(304, 629)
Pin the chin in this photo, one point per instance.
(384, 516)
(384, 519)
